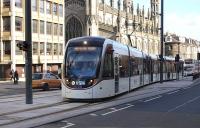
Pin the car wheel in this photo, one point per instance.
(45, 87)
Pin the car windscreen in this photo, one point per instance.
(36, 76)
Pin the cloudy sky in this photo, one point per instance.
(180, 16)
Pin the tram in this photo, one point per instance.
(96, 68)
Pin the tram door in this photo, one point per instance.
(116, 72)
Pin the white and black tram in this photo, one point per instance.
(96, 67)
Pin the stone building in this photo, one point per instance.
(47, 36)
(115, 19)
(187, 48)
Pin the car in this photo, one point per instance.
(45, 81)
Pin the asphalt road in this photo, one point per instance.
(176, 109)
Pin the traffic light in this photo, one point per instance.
(23, 45)
(177, 57)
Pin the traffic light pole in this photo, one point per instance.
(161, 41)
(28, 61)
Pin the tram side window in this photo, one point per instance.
(134, 66)
(156, 67)
(170, 65)
(146, 64)
(141, 66)
(149, 66)
(173, 67)
(164, 67)
(108, 66)
(123, 64)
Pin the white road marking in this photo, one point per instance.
(116, 110)
(172, 92)
(113, 108)
(64, 121)
(93, 114)
(152, 99)
(67, 124)
(128, 104)
(177, 107)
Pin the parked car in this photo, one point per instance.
(45, 81)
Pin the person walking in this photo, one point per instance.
(16, 77)
(12, 74)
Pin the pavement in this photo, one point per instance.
(49, 106)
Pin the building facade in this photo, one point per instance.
(115, 19)
(47, 36)
(187, 48)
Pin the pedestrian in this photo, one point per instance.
(16, 77)
(12, 74)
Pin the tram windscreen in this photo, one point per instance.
(82, 62)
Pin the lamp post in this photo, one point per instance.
(177, 58)
(28, 63)
(198, 58)
(198, 55)
(118, 22)
(161, 40)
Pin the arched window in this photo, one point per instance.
(73, 28)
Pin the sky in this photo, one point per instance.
(181, 17)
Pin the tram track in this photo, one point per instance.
(35, 93)
(21, 97)
(81, 108)
(68, 102)
(30, 109)
(56, 105)
(36, 111)
(76, 109)
(18, 98)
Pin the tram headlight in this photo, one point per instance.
(85, 42)
(73, 82)
(67, 81)
(91, 82)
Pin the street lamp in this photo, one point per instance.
(198, 58)
(177, 58)
(161, 40)
(28, 53)
(198, 55)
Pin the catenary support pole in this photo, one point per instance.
(28, 56)
(161, 41)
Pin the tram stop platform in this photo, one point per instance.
(49, 106)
